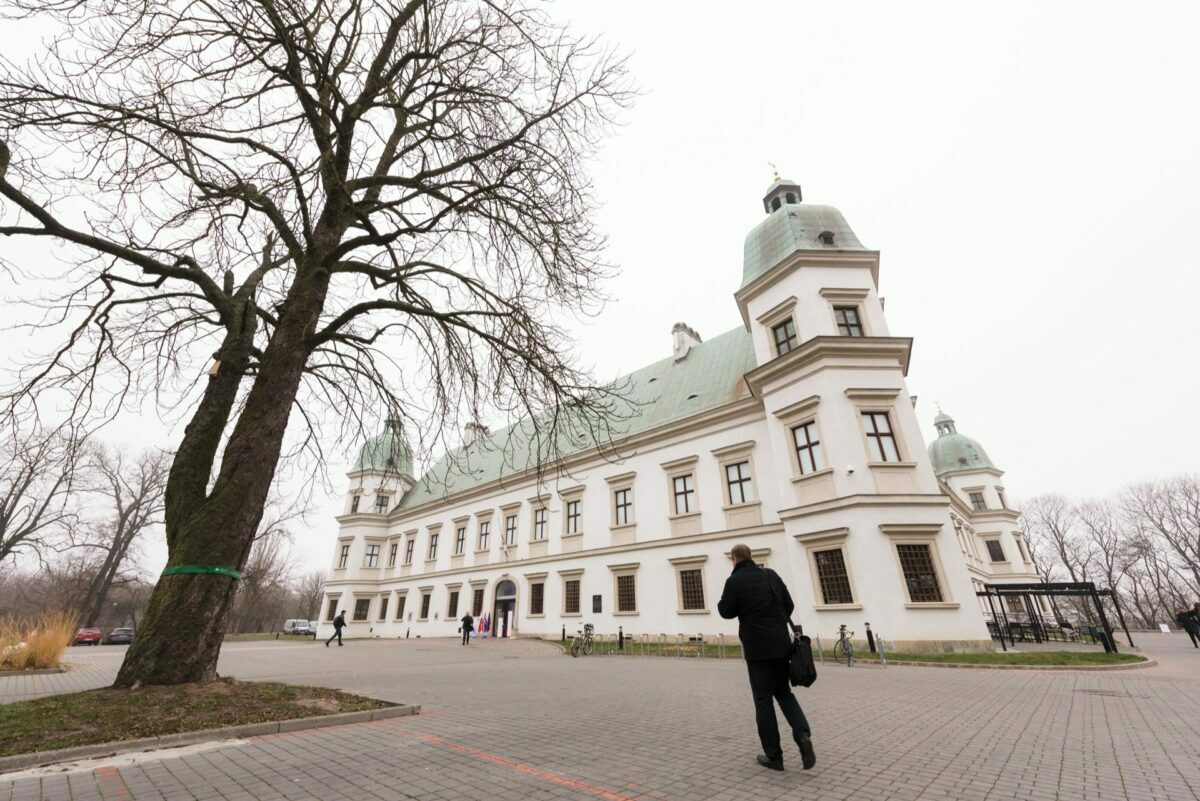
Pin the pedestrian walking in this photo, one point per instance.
(760, 601)
(339, 623)
(1186, 619)
(468, 625)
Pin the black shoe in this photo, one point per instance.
(807, 756)
(773, 764)
(326, 645)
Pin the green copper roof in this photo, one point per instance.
(953, 452)
(386, 453)
(661, 393)
(790, 228)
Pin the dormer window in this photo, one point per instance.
(826, 238)
(381, 504)
(785, 337)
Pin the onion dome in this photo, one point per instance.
(386, 452)
(953, 452)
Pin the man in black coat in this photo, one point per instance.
(1186, 619)
(758, 598)
(468, 625)
(339, 623)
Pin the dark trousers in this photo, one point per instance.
(337, 635)
(769, 684)
(466, 636)
(1192, 634)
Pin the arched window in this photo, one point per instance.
(791, 198)
(775, 204)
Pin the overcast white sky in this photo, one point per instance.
(1029, 171)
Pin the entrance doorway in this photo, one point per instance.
(506, 609)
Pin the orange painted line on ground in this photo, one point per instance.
(111, 784)
(530, 770)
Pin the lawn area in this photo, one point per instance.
(102, 716)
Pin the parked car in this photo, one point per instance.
(296, 626)
(120, 636)
(87, 637)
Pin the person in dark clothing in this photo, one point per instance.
(760, 601)
(339, 623)
(1186, 619)
(468, 625)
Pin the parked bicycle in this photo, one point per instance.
(843, 651)
(582, 644)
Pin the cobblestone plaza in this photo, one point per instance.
(517, 720)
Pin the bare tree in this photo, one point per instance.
(309, 590)
(36, 474)
(1049, 522)
(263, 592)
(1170, 510)
(358, 207)
(133, 499)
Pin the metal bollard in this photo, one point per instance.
(699, 645)
(820, 650)
(661, 640)
(679, 644)
(620, 638)
(882, 651)
(720, 646)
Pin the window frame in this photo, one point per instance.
(875, 438)
(741, 482)
(358, 604)
(453, 597)
(790, 340)
(371, 555)
(537, 592)
(816, 453)
(410, 547)
(541, 523)
(483, 533)
(567, 577)
(382, 502)
(343, 559)
(687, 493)
(623, 507)
(510, 530)
(988, 542)
(381, 613)
(460, 538)
(840, 550)
(619, 572)
(355, 500)
(840, 311)
(431, 549)
(401, 602)
(393, 553)
(817, 542)
(920, 534)
(687, 564)
(977, 500)
(426, 603)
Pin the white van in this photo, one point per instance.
(296, 626)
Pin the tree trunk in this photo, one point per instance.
(185, 622)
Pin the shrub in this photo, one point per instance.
(36, 642)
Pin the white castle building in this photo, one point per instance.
(794, 433)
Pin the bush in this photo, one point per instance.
(36, 642)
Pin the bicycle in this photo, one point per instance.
(583, 641)
(843, 650)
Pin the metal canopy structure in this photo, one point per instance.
(1037, 626)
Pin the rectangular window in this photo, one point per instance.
(626, 594)
(916, 560)
(808, 448)
(539, 524)
(571, 596)
(383, 605)
(995, 551)
(597, 604)
(433, 538)
(425, 605)
(477, 603)
(510, 530)
(977, 501)
(485, 533)
(362, 608)
(381, 504)
(1003, 503)
(460, 540)
(685, 494)
(372, 557)
(1022, 549)
(880, 437)
(623, 506)
(831, 573)
(400, 599)
(331, 612)
(392, 554)
(408, 550)
(847, 321)
(691, 589)
(354, 503)
(741, 488)
(537, 598)
(785, 337)
(573, 517)
(452, 606)
(344, 556)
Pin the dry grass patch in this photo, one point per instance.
(35, 643)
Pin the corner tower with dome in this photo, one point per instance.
(794, 432)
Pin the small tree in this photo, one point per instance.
(346, 205)
(37, 470)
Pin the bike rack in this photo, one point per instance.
(882, 651)
(820, 650)
(720, 646)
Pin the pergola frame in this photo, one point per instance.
(1052, 590)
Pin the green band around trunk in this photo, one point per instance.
(208, 569)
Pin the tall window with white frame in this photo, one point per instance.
(392, 554)
(433, 542)
(832, 576)
(691, 589)
(623, 506)
(626, 594)
(344, 556)
(685, 494)
(362, 608)
(354, 501)
(880, 438)
(977, 501)
(383, 605)
(425, 598)
(741, 488)
(408, 550)
(920, 575)
(571, 596)
(485, 534)
(460, 540)
(510, 530)
(848, 322)
(452, 605)
(537, 598)
(381, 503)
(540, 516)
(372, 557)
(477, 602)
(574, 516)
(400, 600)
(808, 448)
(996, 551)
(785, 336)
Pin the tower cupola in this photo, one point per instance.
(781, 193)
(953, 452)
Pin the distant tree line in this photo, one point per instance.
(1143, 542)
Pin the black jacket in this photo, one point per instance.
(339, 621)
(1186, 621)
(754, 596)
(468, 623)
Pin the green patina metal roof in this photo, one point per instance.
(953, 452)
(661, 393)
(386, 453)
(791, 228)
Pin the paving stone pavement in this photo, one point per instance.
(520, 721)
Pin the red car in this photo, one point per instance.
(87, 637)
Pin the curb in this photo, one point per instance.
(968, 666)
(41, 758)
(31, 672)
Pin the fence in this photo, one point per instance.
(698, 646)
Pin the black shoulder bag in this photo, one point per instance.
(802, 670)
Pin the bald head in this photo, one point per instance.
(740, 553)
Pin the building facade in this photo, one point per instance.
(794, 433)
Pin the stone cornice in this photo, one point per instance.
(812, 351)
(852, 501)
(805, 258)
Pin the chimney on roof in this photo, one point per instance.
(685, 338)
(473, 431)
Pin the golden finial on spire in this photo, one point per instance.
(775, 172)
